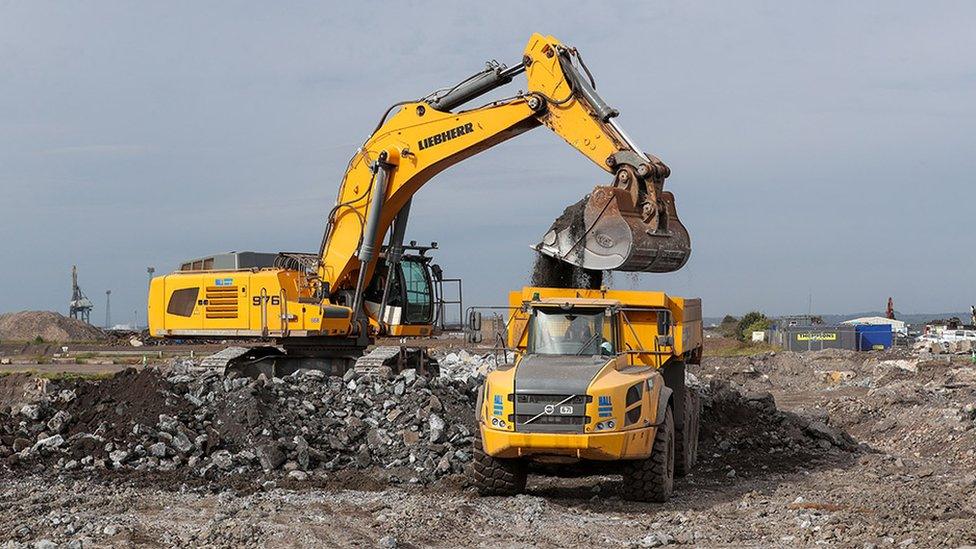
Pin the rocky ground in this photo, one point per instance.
(829, 447)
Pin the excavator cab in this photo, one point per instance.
(405, 293)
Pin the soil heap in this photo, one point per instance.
(47, 325)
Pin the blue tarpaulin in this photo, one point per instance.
(873, 336)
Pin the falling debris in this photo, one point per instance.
(553, 272)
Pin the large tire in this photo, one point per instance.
(686, 440)
(495, 476)
(652, 479)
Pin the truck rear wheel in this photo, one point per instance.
(652, 479)
(496, 476)
(686, 440)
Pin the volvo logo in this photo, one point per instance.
(550, 409)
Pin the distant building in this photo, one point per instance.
(897, 326)
(797, 320)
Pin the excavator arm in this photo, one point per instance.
(630, 225)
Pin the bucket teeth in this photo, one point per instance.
(606, 232)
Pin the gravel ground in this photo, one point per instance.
(906, 478)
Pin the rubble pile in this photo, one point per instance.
(47, 325)
(827, 369)
(747, 429)
(945, 346)
(469, 368)
(209, 425)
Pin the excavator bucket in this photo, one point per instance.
(606, 231)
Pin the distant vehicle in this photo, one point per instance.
(957, 335)
(949, 340)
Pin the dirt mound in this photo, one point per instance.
(749, 432)
(48, 325)
(789, 369)
(115, 405)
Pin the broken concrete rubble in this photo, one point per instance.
(210, 425)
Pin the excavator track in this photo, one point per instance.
(273, 362)
(223, 357)
(397, 358)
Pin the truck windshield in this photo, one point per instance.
(576, 332)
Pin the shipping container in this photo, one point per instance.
(873, 337)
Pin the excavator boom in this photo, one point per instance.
(629, 225)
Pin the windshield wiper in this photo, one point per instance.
(587, 344)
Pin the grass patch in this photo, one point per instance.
(62, 376)
(742, 349)
(73, 376)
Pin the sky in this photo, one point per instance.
(821, 153)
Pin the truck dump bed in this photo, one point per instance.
(657, 327)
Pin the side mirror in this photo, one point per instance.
(474, 321)
(474, 337)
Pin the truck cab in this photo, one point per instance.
(598, 376)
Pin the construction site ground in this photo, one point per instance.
(906, 479)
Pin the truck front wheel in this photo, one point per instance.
(495, 476)
(652, 479)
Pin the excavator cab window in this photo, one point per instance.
(410, 299)
(418, 292)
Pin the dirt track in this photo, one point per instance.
(912, 483)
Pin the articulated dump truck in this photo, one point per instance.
(598, 380)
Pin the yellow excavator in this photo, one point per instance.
(323, 310)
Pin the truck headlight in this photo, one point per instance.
(606, 425)
(498, 423)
